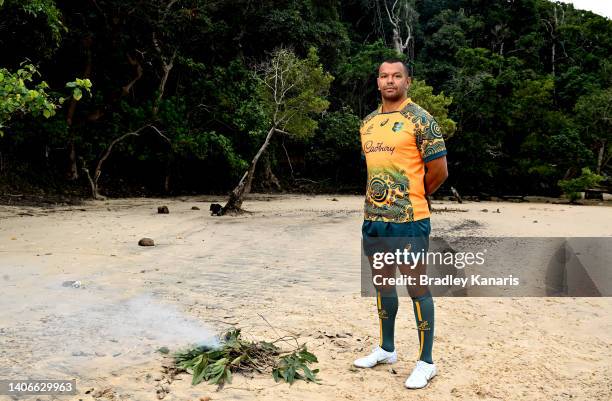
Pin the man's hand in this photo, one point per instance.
(436, 172)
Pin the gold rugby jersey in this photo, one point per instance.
(396, 146)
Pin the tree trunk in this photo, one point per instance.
(600, 157)
(234, 204)
(167, 66)
(73, 171)
(553, 58)
(397, 41)
(92, 184)
(270, 180)
(167, 178)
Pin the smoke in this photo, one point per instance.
(69, 330)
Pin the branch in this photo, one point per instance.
(168, 7)
(134, 62)
(108, 150)
(547, 24)
(405, 44)
(288, 158)
(92, 184)
(157, 48)
(281, 338)
(391, 20)
(98, 171)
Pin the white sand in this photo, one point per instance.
(295, 261)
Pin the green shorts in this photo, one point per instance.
(381, 236)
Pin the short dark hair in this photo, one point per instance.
(394, 60)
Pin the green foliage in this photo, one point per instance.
(436, 105)
(594, 116)
(293, 90)
(336, 133)
(552, 148)
(294, 367)
(209, 144)
(334, 150)
(44, 8)
(529, 82)
(19, 97)
(77, 87)
(357, 76)
(363, 65)
(216, 365)
(572, 187)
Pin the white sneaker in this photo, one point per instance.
(377, 356)
(421, 375)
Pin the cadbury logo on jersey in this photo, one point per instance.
(370, 147)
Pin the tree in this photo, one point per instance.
(594, 113)
(93, 182)
(38, 25)
(357, 76)
(436, 105)
(572, 187)
(334, 152)
(183, 67)
(291, 90)
(403, 18)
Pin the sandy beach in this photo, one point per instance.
(289, 267)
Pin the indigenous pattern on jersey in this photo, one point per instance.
(396, 146)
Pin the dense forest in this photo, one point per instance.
(177, 96)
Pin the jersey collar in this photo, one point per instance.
(404, 104)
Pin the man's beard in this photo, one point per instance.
(392, 97)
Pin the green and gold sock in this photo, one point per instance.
(424, 314)
(387, 304)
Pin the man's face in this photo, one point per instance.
(393, 82)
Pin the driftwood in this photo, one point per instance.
(456, 195)
(520, 198)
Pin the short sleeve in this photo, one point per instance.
(430, 141)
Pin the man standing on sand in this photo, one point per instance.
(406, 161)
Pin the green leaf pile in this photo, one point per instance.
(217, 365)
(294, 367)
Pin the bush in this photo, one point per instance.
(572, 187)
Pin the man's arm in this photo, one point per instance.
(436, 173)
